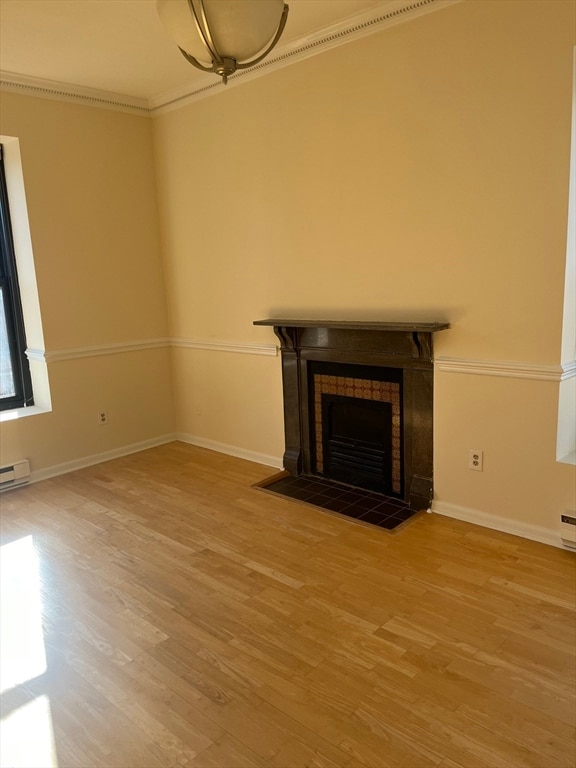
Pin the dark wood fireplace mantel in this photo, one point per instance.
(356, 324)
(399, 345)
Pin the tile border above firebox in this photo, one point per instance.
(404, 345)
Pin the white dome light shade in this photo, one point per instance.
(239, 29)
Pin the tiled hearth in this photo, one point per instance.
(366, 506)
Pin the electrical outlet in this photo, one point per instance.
(102, 417)
(476, 459)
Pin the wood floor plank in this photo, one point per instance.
(191, 620)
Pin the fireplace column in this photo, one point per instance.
(289, 349)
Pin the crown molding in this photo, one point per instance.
(362, 25)
(57, 91)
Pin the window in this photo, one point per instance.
(566, 437)
(15, 381)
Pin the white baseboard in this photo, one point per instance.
(466, 514)
(231, 450)
(515, 527)
(98, 458)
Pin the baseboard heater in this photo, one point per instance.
(568, 529)
(14, 474)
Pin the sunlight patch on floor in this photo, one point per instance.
(27, 737)
(22, 655)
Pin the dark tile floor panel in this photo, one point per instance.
(383, 511)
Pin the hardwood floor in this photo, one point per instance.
(191, 620)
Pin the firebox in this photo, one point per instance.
(358, 403)
(357, 425)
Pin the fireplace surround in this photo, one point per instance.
(380, 372)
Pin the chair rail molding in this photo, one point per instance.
(507, 369)
(214, 345)
(53, 356)
(503, 368)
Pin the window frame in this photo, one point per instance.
(9, 286)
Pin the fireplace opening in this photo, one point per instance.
(356, 425)
(357, 442)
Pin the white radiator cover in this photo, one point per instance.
(15, 474)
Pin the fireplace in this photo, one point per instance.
(358, 404)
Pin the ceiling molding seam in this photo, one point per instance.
(305, 47)
(94, 97)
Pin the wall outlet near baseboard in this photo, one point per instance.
(102, 417)
(476, 459)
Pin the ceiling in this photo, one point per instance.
(120, 46)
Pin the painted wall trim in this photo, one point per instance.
(568, 370)
(364, 24)
(40, 355)
(22, 413)
(56, 355)
(466, 514)
(98, 458)
(486, 520)
(59, 91)
(378, 18)
(226, 346)
(569, 459)
(508, 369)
(231, 450)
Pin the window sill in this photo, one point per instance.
(20, 413)
(570, 459)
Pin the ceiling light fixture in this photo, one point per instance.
(222, 36)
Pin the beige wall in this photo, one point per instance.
(420, 173)
(92, 208)
(133, 387)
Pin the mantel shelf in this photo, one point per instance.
(402, 327)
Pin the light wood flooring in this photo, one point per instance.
(191, 620)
